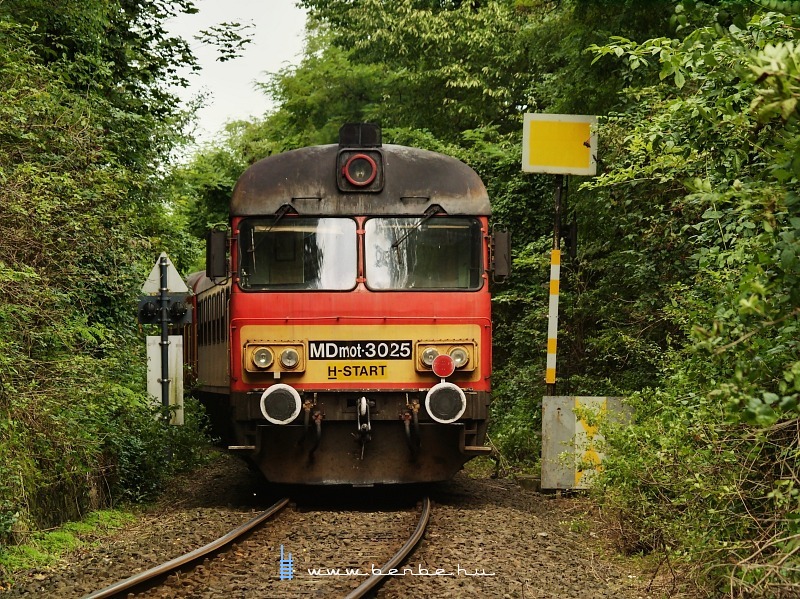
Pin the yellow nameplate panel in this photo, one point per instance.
(355, 353)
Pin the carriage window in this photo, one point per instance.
(298, 253)
(414, 253)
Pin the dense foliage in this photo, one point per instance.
(708, 167)
(87, 126)
(684, 296)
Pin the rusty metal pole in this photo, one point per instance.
(557, 212)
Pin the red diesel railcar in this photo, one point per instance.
(343, 325)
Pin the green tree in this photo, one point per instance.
(703, 187)
(87, 126)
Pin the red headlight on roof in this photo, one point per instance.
(360, 170)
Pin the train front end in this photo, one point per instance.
(359, 314)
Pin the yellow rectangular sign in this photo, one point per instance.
(561, 144)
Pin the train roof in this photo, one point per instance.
(306, 180)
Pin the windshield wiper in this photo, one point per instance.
(279, 214)
(252, 249)
(431, 211)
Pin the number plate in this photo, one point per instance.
(359, 350)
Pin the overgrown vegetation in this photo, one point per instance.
(684, 295)
(712, 139)
(42, 548)
(86, 129)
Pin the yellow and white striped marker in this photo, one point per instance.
(552, 318)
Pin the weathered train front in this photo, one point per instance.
(359, 314)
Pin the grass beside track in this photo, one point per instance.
(42, 548)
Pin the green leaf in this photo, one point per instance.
(788, 258)
(788, 106)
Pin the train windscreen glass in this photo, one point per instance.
(423, 253)
(298, 253)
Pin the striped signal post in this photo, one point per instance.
(558, 144)
(552, 320)
(555, 282)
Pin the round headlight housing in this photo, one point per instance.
(360, 170)
(280, 404)
(290, 358)
(429, 355)
(460, 356)
(262, 358)
(445, 403)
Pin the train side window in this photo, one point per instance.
(218, 319)
(225, 322)
(201, 316)
(210, 320)
(207, 321)
(214, 318)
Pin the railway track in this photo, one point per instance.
(399, 557)
(149, 579)
(174, 565)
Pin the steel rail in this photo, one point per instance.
(374, 580)
(178, 562)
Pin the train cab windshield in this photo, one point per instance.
(414, 253)
(400, 253)
(298, 253)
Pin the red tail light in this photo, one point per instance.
(443, 366)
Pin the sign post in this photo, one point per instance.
(558, 144)
(164, 305)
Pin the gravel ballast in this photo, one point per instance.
(486, 538)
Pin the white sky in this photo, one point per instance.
(278, 34)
